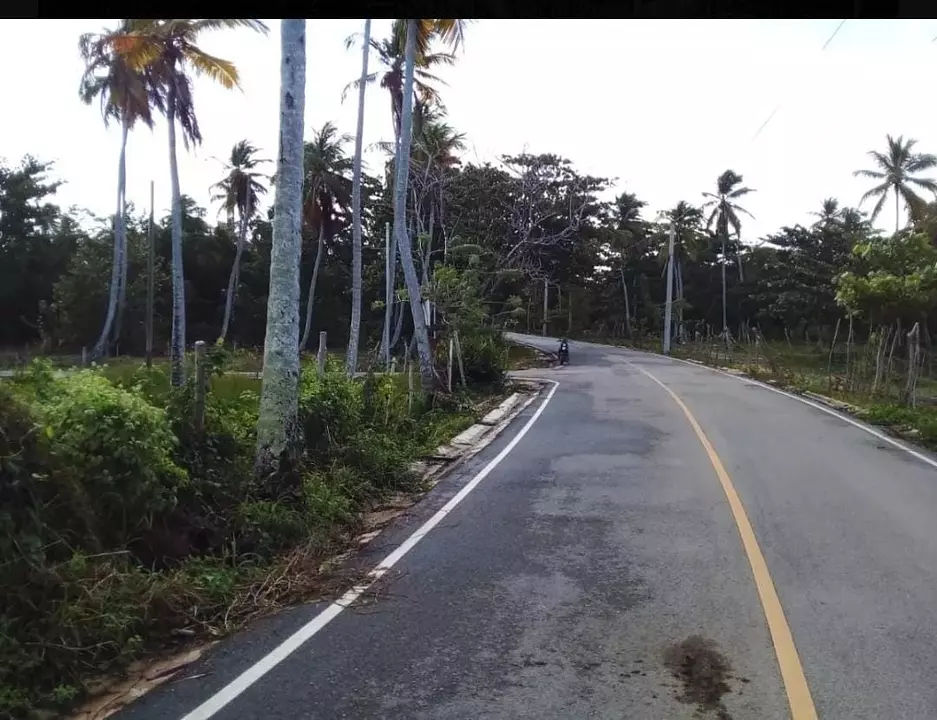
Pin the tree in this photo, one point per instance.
(896, 170)
(354, 331)
(830, 214)
(421, 31)
(239, 191)
(277, 422)
(626, 216)
(391, 55)
(687, 222)
(126, 95)
(168, 49)
(725, 213)
(327, 192)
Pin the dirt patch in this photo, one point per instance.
(704, 672)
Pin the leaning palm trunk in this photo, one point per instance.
(101, 346)
(177, 341)
(404, 249)
(311, 298)
(277, 431)
(234, 277)
(351, 359)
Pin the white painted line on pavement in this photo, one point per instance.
(829, 411)
(269, 661)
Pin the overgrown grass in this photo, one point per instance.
(126, 531)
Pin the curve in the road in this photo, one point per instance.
(792, 671)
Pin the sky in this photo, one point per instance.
(661, 106)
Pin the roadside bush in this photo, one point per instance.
(120, 447)
(330, 409)
(485, 357)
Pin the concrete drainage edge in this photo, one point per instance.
(430, 470)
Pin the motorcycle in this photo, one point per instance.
(563, 354)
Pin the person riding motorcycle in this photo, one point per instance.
(563, 354)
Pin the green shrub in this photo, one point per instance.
(330, 410)
(485, 357)
(120, 447)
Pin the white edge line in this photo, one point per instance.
(269, 661)
(829, 411)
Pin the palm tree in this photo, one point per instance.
(276, 423)
(169, 49)
(626, 214)
(354, 331)
(126, 96)
(390, 53)
(896, 169)
(239, 192)
(830, 214)
(327, 191)
(419, 35)
(687, 222)
(725, 213)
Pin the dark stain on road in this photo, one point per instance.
(704, 672)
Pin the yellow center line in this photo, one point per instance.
(792, 672)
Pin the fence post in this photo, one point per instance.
(84, 357)
(321, 354)
(200, 385)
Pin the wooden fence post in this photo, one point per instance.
(200, 385)
(322, 352)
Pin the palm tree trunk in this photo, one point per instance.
(234, 277)
(351, 358)
(404, 248)
(390, 301)
(101, 346)
(725, 323)
(624, 290)
(311, 297)
(122, 183)
(897, 210)
(276, 425)
(124, 262)
(177, 341)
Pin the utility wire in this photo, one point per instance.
(778, 106)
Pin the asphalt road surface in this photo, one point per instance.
(663, 541)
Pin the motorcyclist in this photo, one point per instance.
(563, 354)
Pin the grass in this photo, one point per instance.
(523, 357)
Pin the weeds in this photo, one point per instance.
(125, 531)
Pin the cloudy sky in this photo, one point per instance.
(662, 106)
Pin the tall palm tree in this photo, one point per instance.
(327, 191)
(276, 424)
(419, 34)
(354, 331)
(239, 191)
(830, 214)
(126, 96)
(687, 221)
(391, 55)
(626, 215)
(169, 49)
(895, 171)
(725, 213)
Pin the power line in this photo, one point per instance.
(778, 106)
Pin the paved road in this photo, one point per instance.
(599, 571)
